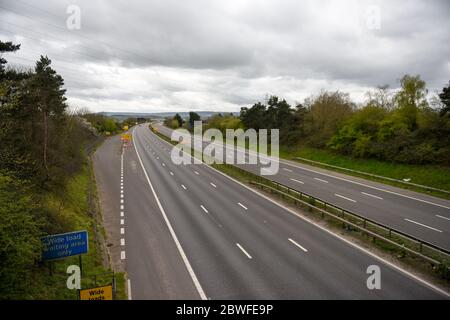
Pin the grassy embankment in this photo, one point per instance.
(77, 211)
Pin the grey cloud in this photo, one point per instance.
(187, 53)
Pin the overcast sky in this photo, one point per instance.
(152, 56)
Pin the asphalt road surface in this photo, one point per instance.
(139, 241)
(235, 243)
(424, 217)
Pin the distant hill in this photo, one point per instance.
(125, 115)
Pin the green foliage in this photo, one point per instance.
(20, 233)
(223, 122)
(409, 132)
(102, 123)
(193, 116)
(179, 119)
(444, 96)
(41, 152)
(401, 128)
(175, 122)
(326, 113)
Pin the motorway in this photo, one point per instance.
(422, 216)
(229, 242)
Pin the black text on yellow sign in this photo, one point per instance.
(99, 293)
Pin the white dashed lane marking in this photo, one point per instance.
(298, 181)
(348, 199)
(423, 225)
(245, 208)
(371, 195)
(296, 244)
(243, 250)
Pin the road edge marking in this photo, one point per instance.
(129, 289)
(172, 232)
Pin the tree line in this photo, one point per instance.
(41, 149)
(403, 126)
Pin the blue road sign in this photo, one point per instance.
(57, 246)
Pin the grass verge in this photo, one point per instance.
(77, 209)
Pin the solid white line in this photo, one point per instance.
(288, 170)
(348, 242)
(442, 217)
(368, 186)
(122, 242)
(129, 289)
(122, 255)
(371, 195)
(321, 180)
(243, 250)
(297, 245)
(242, 205)
(183, 187)
(122, 230)
(301, 182)
(172, 232)
(338, 195)
(423, 225)
(213, 185)
(204, 209)
(122, 221)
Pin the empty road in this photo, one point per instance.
(237, 244)
(419, 215)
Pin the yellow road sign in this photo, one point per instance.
(126, 137)
(98, 293)
(125, 128)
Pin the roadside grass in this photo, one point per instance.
(73, 212)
